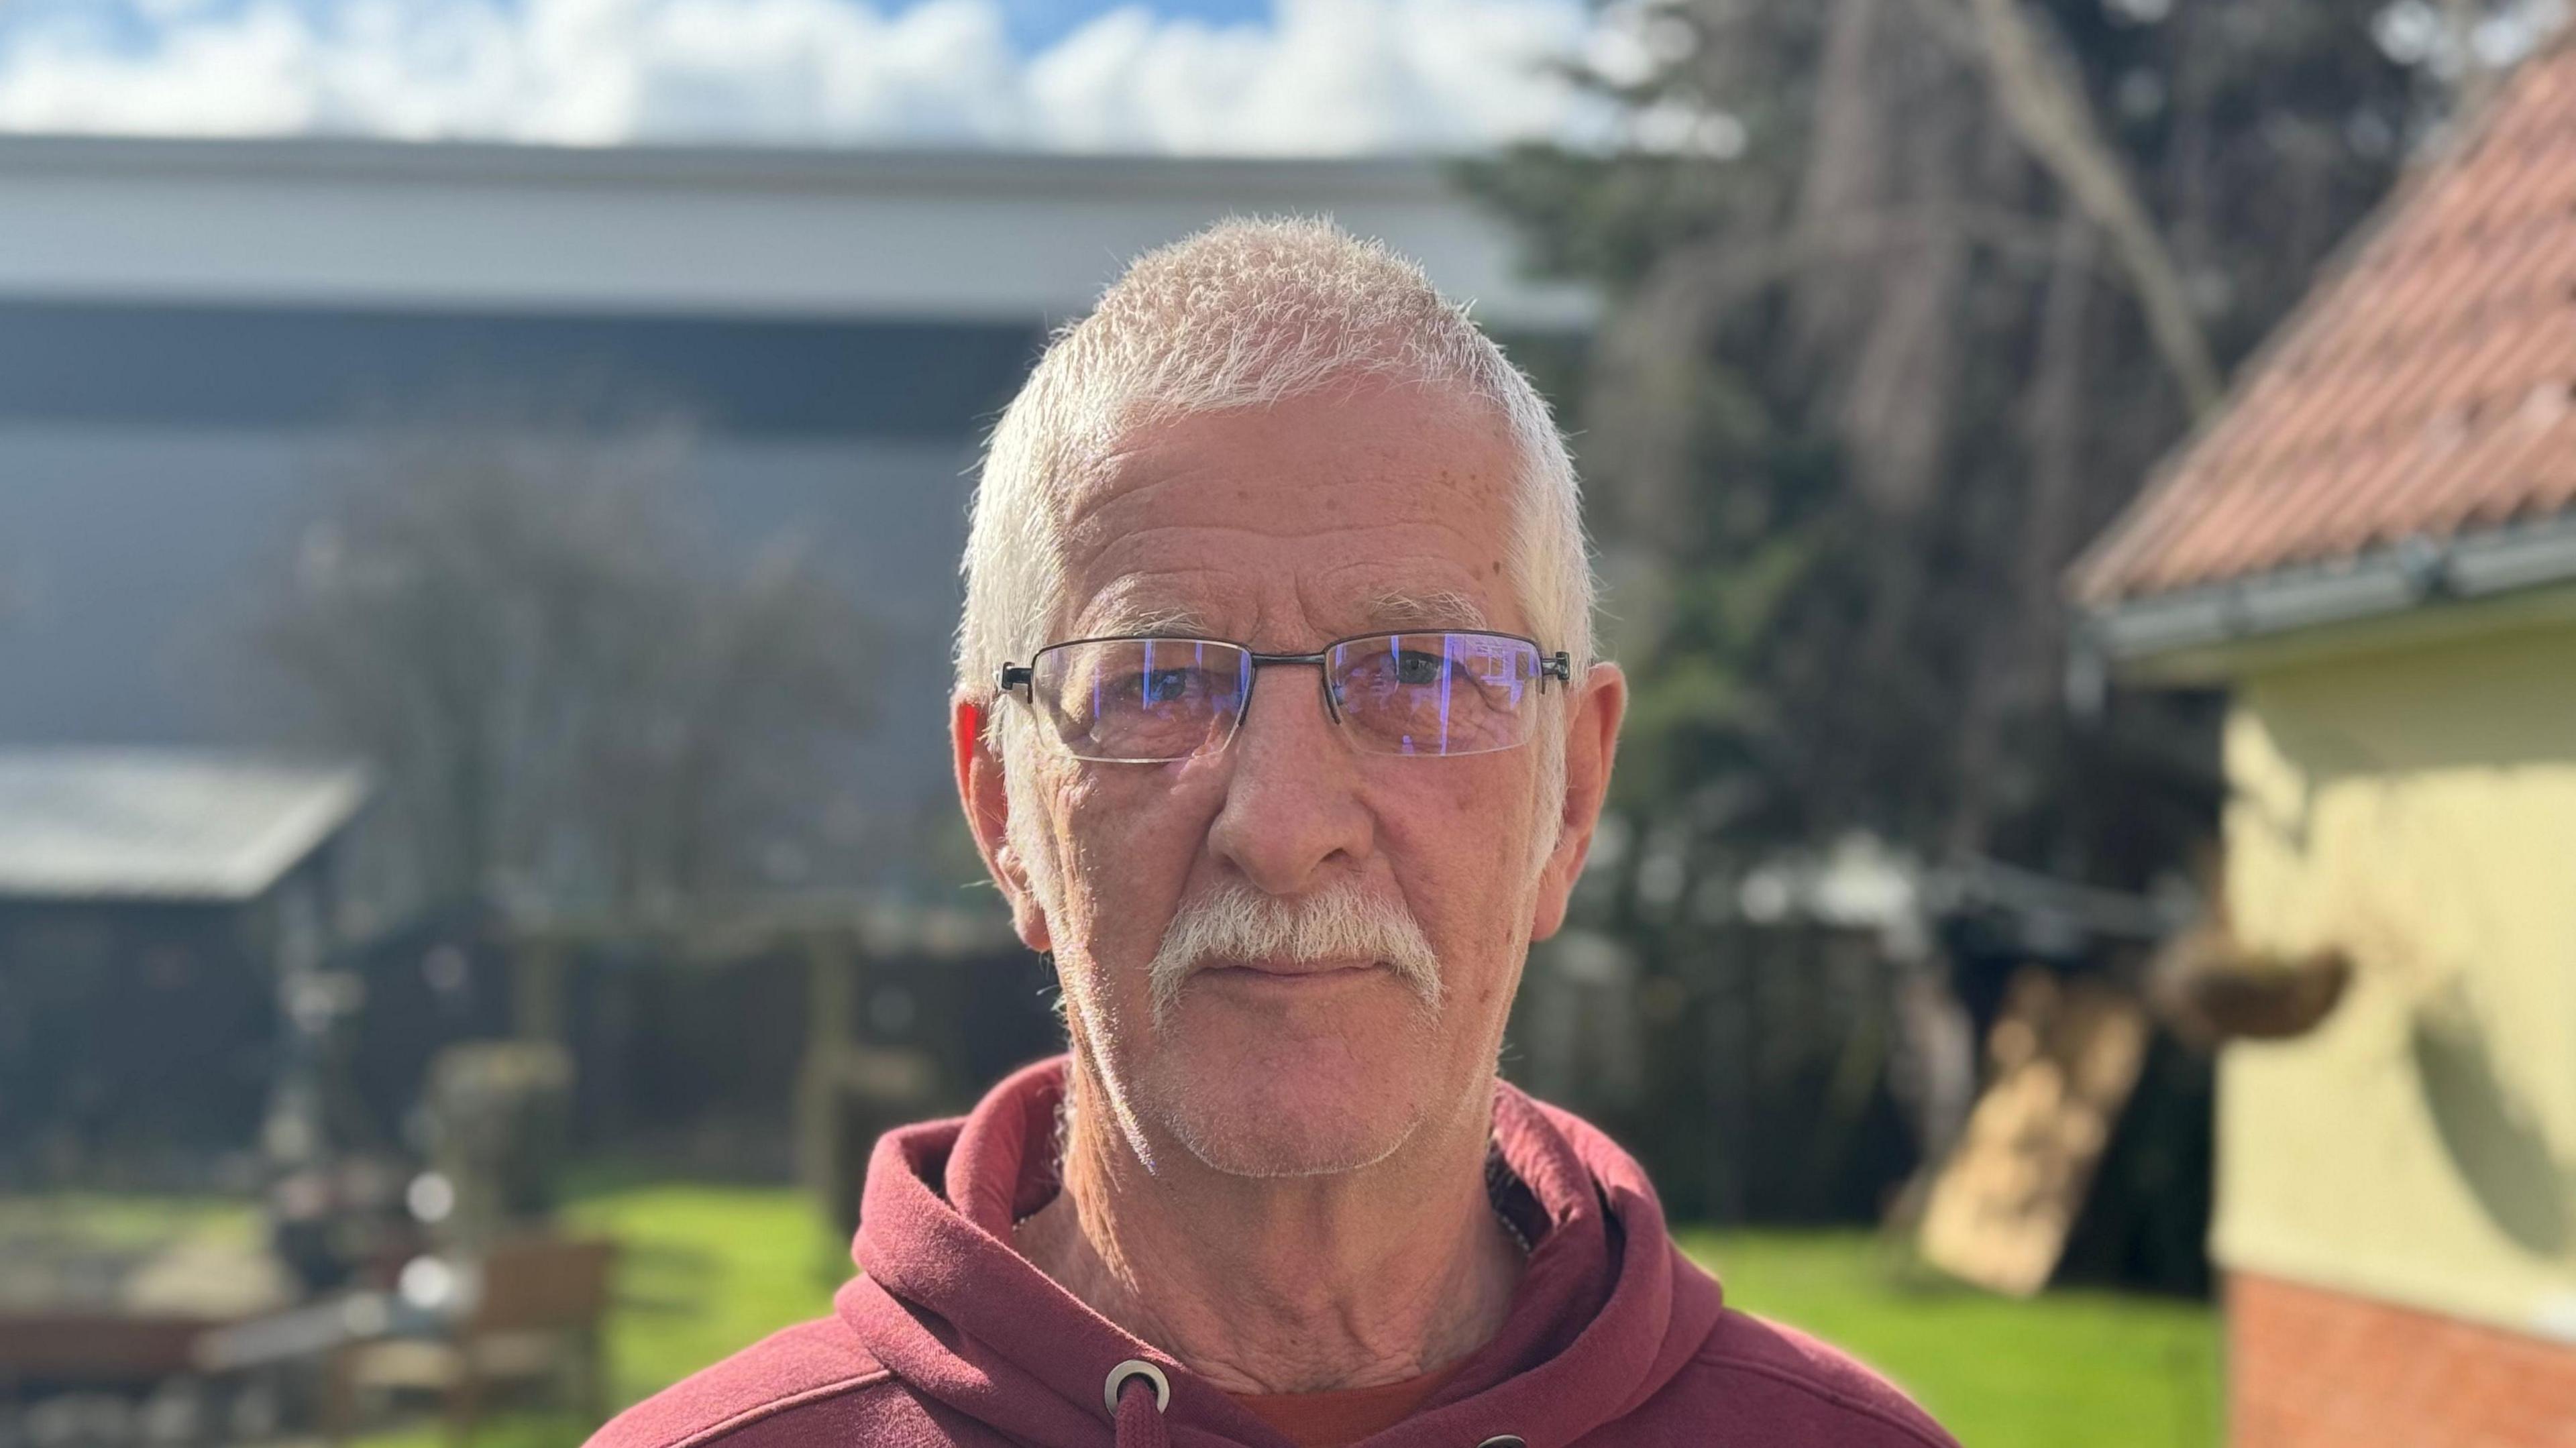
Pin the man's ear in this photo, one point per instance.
(1591, 743)
(987, 802)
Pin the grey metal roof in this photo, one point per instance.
(163, 824)
(731, 166)
(805, 234)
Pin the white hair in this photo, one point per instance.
(1244, 314)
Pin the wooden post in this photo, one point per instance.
(831, 996)
(537, 981)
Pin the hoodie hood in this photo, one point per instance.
(1606, 1314)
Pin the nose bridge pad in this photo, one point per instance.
(1332, 696)
(1322, 663)
(1247, 679)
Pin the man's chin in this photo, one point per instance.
(1268, 1103)
(1252, 1143)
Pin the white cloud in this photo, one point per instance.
(1327, 77)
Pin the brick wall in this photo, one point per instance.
(2309, 1368)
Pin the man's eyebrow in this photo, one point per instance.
(1392, 610)
(1445, 608)
(1124, 619)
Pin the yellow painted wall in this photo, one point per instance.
(2417, 808)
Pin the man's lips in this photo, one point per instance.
(1288, 970)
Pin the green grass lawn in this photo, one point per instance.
(2108, 1370)
(134, 1221)
(709, 1269)
(703, 1270)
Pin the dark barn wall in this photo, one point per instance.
(157, 465)
(701, 1063)
(304, 368)
(693, 1063)
(136, 1041)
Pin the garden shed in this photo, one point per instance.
(155, 908)
(2372, 549)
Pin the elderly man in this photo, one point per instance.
(1278, 725)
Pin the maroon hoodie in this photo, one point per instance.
(948, 1336)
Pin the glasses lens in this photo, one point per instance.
(1436, 693)
(1141, 701)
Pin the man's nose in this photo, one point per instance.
(1292, 815)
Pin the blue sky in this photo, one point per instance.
(1038, 23)
(1263, 77)
(1033, 24)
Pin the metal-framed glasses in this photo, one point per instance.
(1151, 700)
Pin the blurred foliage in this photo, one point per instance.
(498, 1115)
(1906, 298)
(2105, 1369)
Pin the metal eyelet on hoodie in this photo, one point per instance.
(1136, 1368)
(1503, 1440)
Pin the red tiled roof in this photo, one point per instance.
(2427, 388)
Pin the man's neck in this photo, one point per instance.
(1282, 1285)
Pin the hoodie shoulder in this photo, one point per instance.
(1808, 1392)
(812, 1362)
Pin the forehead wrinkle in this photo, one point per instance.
(1174, 493)
(1141, 536)
(1099, 535)
(1160, 548)
(1155, 551)
(1164, 601)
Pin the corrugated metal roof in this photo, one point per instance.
(151, 824)
(2426, 389)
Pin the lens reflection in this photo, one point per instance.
(1159, 700)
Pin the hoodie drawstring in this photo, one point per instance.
(1140, 1423)
(1137, 1392)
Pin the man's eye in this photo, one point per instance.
(1160, 686)
(1418, 668)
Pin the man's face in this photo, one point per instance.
(1286, 528)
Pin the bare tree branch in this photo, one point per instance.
(2046, 109)
(572, 697)
(1638, 430)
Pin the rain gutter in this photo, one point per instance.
(2189, 632)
